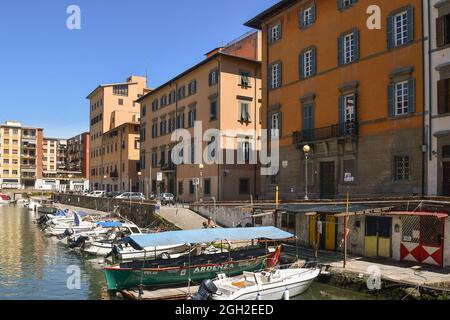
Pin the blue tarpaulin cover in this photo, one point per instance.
(110, 224)
(139, 242)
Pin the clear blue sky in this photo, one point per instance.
(46, 70)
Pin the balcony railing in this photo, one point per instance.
(114, 174)
(334, 131)
(167, 166)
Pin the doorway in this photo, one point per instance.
(326, 224)
(327, 180)
(377, 241)
(446, 179)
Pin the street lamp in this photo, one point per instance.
(306, 150)
(104, 183)
(139, 175)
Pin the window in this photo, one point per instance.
(180, 121)
(163, 157)
(120, 90)
(344, 4)
(244, 79)
(244, 111)
(446, 151)
(181, 92)
(192, 87)
(120, 102)
(213, 77)
(144, 111)
(213, 110)
(163, 127)
(180, 187)
(308, 16)
(348, 47)
(401, 168)
(244, 186)
(207, 186)
(401, 98)
(172, 97)
(308, 63)
(154, 130)
(275, 75)
(443, 96)
(154, 105)
(347, 114)
(400, 28)
(275, 33)
(275, 124)
(163, 101)
(244, 152)
(154, 159)
(308, 117)
(192, 115)
(443, 31)
(191, 187)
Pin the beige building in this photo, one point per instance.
(20, 155)
(121, 158)
(111, 105)
(222, 92)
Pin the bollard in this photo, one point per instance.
(258, 297)
(286, 294)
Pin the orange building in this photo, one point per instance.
(353, 94)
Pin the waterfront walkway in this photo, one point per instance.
(181, 217)
(406, 273)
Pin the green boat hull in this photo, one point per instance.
(118, 279)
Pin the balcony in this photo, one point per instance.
(167, 167)
(325, 133)
(114, 175)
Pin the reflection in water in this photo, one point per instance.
(33, 266)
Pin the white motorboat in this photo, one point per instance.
(129, 254)
(4, 199)
(265, 285)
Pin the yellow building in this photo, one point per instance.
(222, 92)
(121, 158)
(111, 105)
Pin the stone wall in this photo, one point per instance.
(143, 214)
(231, 215)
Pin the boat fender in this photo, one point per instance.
(258, 297)
(286, 294)
(206, 290)
(165, 256)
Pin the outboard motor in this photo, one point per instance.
(66, 234)
(114, 252)
(79, 243)
(206, 290)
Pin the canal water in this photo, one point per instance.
(35, 267)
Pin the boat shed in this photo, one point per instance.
(374, 230)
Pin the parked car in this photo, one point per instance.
(113, 194)
(131, 196)
(97, 194)
(167, 198)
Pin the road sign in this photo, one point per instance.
(196, 181)
(159, 177)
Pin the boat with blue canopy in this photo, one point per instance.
(195, 268)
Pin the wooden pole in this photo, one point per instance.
(276, 196)
(346, 235)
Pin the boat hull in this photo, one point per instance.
(124, 278)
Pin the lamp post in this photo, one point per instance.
(201, 166)
(104, 184)
(306, 150)
(139, 180)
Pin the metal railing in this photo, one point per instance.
(335, 131)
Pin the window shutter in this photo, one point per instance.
(269, 126)
(280, 74)
(410, 14)
(340, 4)
(280, 124)
(314, 64)
(302, 14)
(440, 31)
(355, 95)
(269, 35)
(269, 76)
(411, 96)
(313, 13)
(342, 109)
(390, 32)
(341, 50)
(357, 46)
(300, 63)
(443, 96)
(391, 104)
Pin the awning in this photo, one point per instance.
(110, 224)
(139, 242)
(438, 215)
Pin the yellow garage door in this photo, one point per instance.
(330, 232)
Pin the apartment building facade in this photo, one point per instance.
(353, 95)
(437, 95)
(111, 105)
(78, 157)
(221, 92)
(20, 155)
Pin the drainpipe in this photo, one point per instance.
(267, 77)
(219, 105)
(424, 142)
(175, 187)
(255, 166)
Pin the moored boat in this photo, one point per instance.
(4, 199)
(194, 268)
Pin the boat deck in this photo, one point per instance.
(161, 294)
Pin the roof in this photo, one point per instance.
(438, 215)
(198, 65)
(130, 123)
(109, 85)
(327, 208)
(139, 242)
(269, 13)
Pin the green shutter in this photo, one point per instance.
(341, 50)
(340, 4)
(411, 96)
(313, 12)
(300, 64)
(314, 64)
(391, 103)
(341, 109)
(269, 76)
(390, 31)
(280, 74)
(357, 45)
(302, 25)
(410, 15)
(280, 122)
